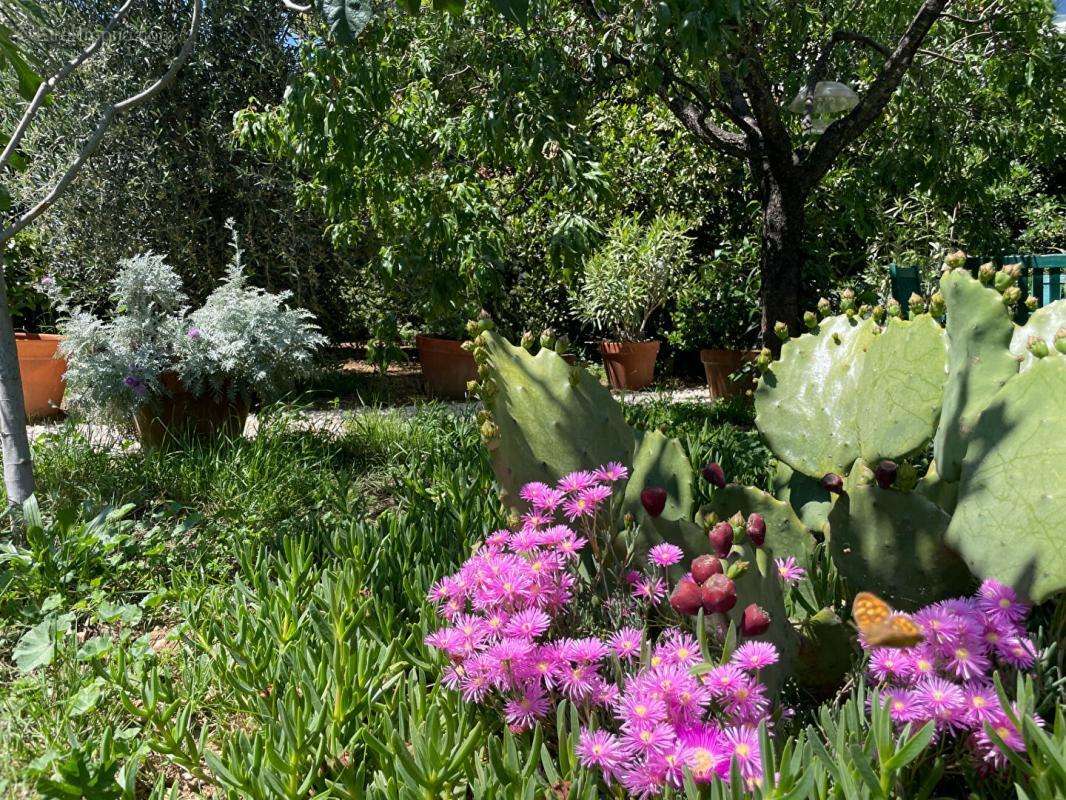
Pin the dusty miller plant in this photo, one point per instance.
(244, 341)
(114, 366)
(633, 275)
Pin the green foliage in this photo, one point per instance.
(633, 275)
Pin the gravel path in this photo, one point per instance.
(331, 421)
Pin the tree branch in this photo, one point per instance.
(106, 120)
(48, 86)
(695, 121)
(847, 129)
(821, 65)
(776, 142)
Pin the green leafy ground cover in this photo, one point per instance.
(246, 620)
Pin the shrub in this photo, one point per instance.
(633, 275)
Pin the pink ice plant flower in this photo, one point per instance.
(947, 678)
(665, 555)
(789, 571)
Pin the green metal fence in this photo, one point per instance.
(1043, 277)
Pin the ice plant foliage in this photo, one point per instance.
(551, 612)
(947, 679)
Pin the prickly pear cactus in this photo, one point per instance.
(785, 533)
(851, 390)
(932, 487)
(808, 499)
(893, 543)
(1010, 521)
(1044, 324)
(901, 388)
(552, 418)
(979, 331)
(806, 401)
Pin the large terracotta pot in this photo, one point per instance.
(630, 365)
(720, 364)
(182, 415)
(446, 367)
(42, 373)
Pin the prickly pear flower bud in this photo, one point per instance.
(468, 345)
(937, 306)
(893, 308)
(653, 498)
(714, 474)
(955, 260)
(1030, 303)
(764, 359)
(484, 319)
(755, 621)
(547, 338)
(1012, 295)
(488, 388)
(1014, 270)
(472, 327)
(1002, 281)
(907, 478)
(737, 569)
(705, 566)
(472, 388)
(1037, 346)
(719, 594)
(986, 273)
(823, 307)
(1060, 340)
(481, 356)
(810, 319)
(484, 371)
(885, 473)
(864, 310)
(916, 303)
(562, 344)
(756, 529)
(721, 539)
(833, 483)
(687, 598)
(528, 340)
(781, 330)
(878, 314)
(489, 430)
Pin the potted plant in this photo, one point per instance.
(173, 373)
(625, 282)
(446, 366)
(41, 369)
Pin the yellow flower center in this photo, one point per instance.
(979, 702)
(742, 750)
(1004, 602)
(702, 762)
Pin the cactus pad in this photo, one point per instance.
(786, 535)
(892, 543)
(808, 499)
(979, 331)
(661, 461)
(901, 388)
(1044, 323)
(806, 402)
(1009, 521)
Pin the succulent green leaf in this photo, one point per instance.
(893, 543)
(901, 388)
(1044, 323)
(550, 426)
(806, 403)
(979, 331)
(761, 585)
(1008, 523)
(808, 499)
(825, 655)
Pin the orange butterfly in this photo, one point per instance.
(880, 625)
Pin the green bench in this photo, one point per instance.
(1043, 277)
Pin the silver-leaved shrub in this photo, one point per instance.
(243, 342)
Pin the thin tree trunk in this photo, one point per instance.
(14, 441)
(782, 260)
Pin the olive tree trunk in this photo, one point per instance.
(14, 440)
(782, 259)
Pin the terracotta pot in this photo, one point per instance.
(446, 367)
(630, 365)
(720, 364)
(42, 373)
(182, 415)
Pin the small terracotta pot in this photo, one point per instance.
(42, 373)
(182, 415)
(720, 364)
(630, 365)
(446, 367)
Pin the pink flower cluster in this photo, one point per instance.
(502, 604)
(946, 678)
(669, 720)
